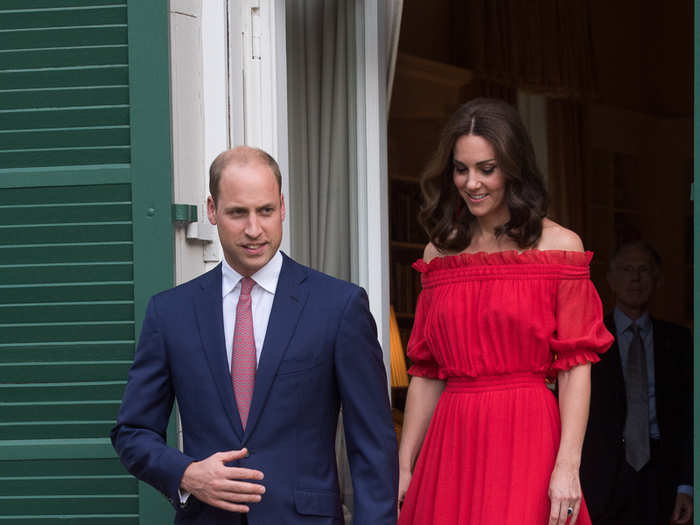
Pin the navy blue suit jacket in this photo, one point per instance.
(320, 351)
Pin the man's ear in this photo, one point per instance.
(283, 210)
(211, 210)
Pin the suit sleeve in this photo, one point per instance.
(139, 436)
(369, 430)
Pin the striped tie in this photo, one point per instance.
(243, 361)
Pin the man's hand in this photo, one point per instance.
(213, 483)
(683, 509)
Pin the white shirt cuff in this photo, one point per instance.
(184, 495)
(685, 489)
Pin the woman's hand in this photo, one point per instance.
(565, 494)
(404, 481)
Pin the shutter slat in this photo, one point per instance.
(119, 291)
(64, 117)
(57, 430)
(33, 59)
(68, 195)
(97, 519)
(84, 36)
(111, 136)
(66, 273)
(71, 253)
(28, 392)
(67, 312)
(75, 410)
(64, 97)
(71, 232)
(110, 75)
(82, 331)
(72, 351)
(66, 372)
(51, 18)
(65, 213)
(69, 157)
(12, 5)
(58, 485)
(93, 504)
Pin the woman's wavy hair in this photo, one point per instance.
(444, 214)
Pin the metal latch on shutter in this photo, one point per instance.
(185, 216)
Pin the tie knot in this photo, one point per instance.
(634, 328)
(247, 285)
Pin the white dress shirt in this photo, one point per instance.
(262, 295)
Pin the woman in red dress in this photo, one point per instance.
(506, 302)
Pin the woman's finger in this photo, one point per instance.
(555, 512)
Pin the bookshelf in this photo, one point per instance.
(425, 93)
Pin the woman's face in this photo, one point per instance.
(479, 179)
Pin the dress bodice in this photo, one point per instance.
(506, 312)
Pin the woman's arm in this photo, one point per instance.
(421, 400)
(574, 400)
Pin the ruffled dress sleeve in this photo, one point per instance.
(418, 350)
(580, 334)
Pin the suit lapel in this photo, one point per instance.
(210, 317)
(290, 297)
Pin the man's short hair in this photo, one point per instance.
(240, 155)
(654, 255)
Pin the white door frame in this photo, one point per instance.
(372, 177)
(258, 84)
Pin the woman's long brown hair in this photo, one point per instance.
(444, 215)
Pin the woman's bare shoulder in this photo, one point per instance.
(430, 252)
(556, 237)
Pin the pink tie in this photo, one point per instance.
(243, 362)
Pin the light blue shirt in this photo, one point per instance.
(624, 340)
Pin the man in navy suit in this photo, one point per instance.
(259, 353)
(636, 466)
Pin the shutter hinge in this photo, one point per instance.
(184, 214)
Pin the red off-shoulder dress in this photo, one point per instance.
(494, 325)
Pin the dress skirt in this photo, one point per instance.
(491, 447)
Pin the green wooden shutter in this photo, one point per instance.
(85, 238)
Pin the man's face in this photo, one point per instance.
(633, 278)
(248, 215)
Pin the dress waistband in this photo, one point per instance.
(497, 382)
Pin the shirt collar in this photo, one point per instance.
(622, 322)
(266, 277)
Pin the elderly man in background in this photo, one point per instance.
(637, 461)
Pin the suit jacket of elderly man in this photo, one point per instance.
(604, 448)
